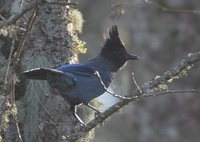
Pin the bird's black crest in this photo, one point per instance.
(113, 41)
(113, 48)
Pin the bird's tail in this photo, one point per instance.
(39, 73)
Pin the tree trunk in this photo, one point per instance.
(42, 114)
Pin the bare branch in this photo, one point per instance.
(5, 85)
(184, 64)
(8, 66)
(28, 7)
(63, 3)
(28, 29)
(171, 92)
(8, 81)
(20, 13)
(135, 82)
(167, 9)
(169, 75)
(2, 17)
(18, 130)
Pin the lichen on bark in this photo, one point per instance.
(43, 115)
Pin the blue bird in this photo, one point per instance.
(80, 83)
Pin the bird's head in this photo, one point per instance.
(114, 49)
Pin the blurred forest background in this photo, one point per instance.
(162, 38)
(161, 32)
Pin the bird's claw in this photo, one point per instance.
(98, 114)
(83, 126)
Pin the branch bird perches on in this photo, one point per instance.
(191, 59)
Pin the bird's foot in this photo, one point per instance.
(83, 126)
(98, 114)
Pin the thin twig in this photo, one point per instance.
(13, 105)
(21, 3)
(20, 13)
(111, 93)
(9, 62)
(5, 85)
(62, 3)
(17, 127)
(2, 17)
(28, 29)
(9, 73)
(135, 82)
(28, 7)
(176, 10)
(171, 92)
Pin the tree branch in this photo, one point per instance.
(28, 7)
(20, 13)
(63, 3)
(167, 9)
(137, 94)
(170, 92)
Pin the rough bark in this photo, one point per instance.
(42, 114)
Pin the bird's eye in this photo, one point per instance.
(121, 52)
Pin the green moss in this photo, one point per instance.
(77, 20)
(81, 46)
(77, 24)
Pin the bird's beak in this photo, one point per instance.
(132, 56)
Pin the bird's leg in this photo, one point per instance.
(76, 115)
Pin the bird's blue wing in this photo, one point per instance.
(87, 71)
(78, 69)
(90, 82)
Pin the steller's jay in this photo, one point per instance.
(80, 83)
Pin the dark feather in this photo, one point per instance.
(114, 49)
(113, 41)
(39, 73)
